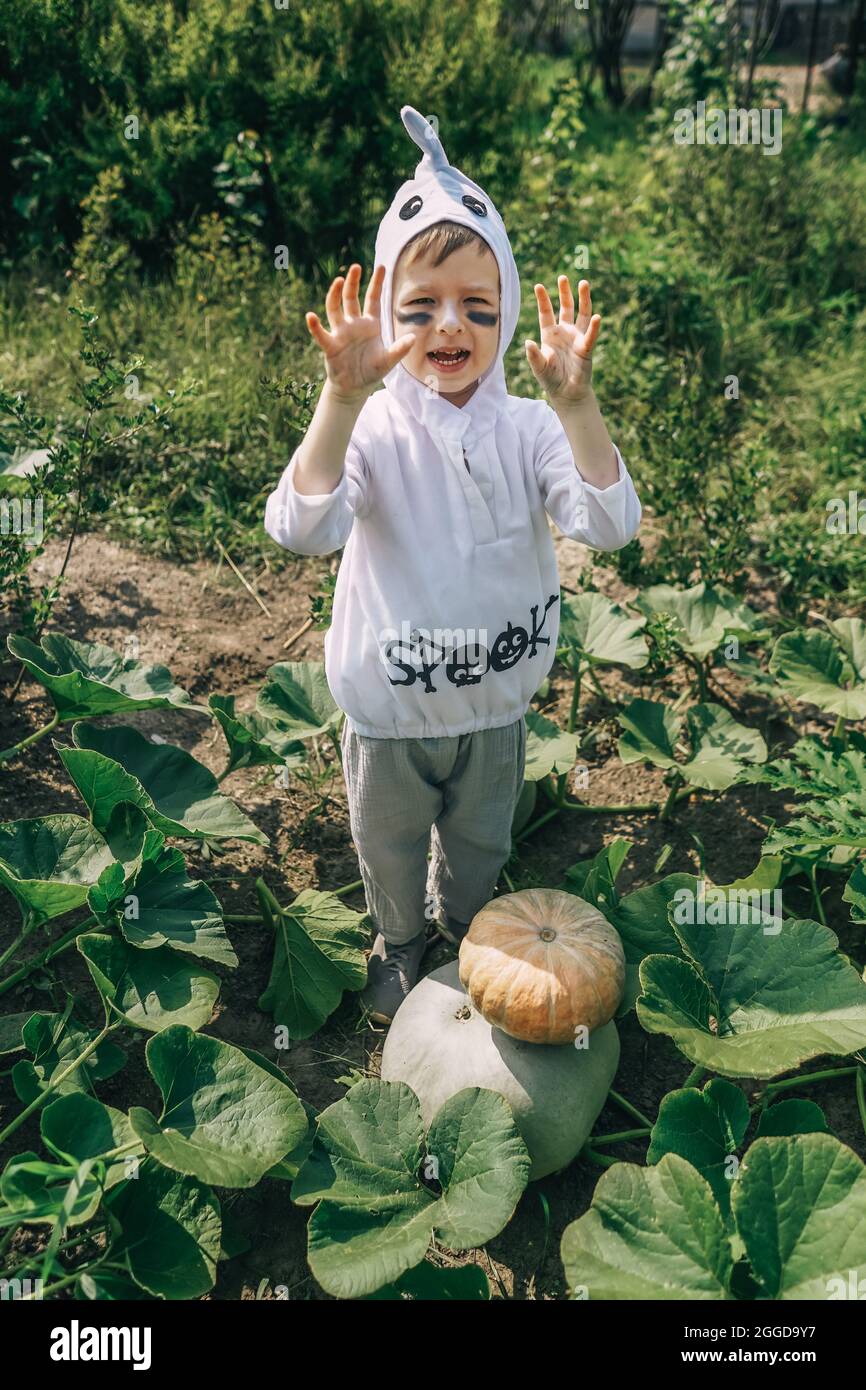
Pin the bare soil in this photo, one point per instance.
(205, 626)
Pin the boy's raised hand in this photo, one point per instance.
(563, 362)
(356, 359)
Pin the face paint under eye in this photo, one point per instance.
(418, 317)
(485, 320)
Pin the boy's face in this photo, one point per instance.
(453, 310)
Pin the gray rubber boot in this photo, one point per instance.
(391, 972)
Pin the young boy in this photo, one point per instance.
(445, 614)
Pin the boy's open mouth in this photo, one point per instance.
(449, 359)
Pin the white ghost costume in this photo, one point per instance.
(446, 606)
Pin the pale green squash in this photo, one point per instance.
(439, 1044)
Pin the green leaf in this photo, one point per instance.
(594, 879)
(651, 1233)
(150, 989)
(721, 746)
(375, 1215)
(750, 1002)
(86, 678)
(11, 1026)
(828, 823)
(811, 769)
(602, 633)
(855, 893)
(789, 1117)
(163, 907)
(456, 1283)
(49, 862)
(704, 616)
(176, 793)
(815, 668)
(101, 1285)
(651, 733)
(37, 1192)
(318, 953)
(642, 917)
(55, 1042)
(800, 1207)
(77, 1127)
(548, 748)
(850, 633)
(253, 740)
(225, 1119)
(296, 697)
(171, 1232)
(706, 1128)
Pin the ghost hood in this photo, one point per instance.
(441, 193)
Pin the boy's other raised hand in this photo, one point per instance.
(563, 362)
(356, 358)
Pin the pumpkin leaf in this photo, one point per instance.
(101, 1285)
(375, 1215)
(78, 1127)
(599, 632)
(456, 1283)
(171, 1230)
(318, 953)
(854, 893)
(811, 769)
(49, 862)
(162, 906)
(296, 697)
(225, 1119)
(651, 733)
(650, 1233)
(548, 748)
(642, 917)
(816, 668)
(704, 616)
(594, 879)
(177, 794)
(800, 1208)
(747, 1002)
(85, 679)
(828, 823)
(253, 740)
(150, 989)
(54, 1042)
(719, 745)
(36, 1192)
(11, 1028)
(706, 1128)
(850, 633)
(789, 1117)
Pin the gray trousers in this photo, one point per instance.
(458, 793)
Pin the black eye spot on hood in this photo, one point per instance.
(409, 209)
(473, 204)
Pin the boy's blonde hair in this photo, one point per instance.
(440, 241)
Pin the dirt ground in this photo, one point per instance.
(205, 626)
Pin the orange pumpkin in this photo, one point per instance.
(540, 963)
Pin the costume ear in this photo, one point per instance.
(425, 137)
